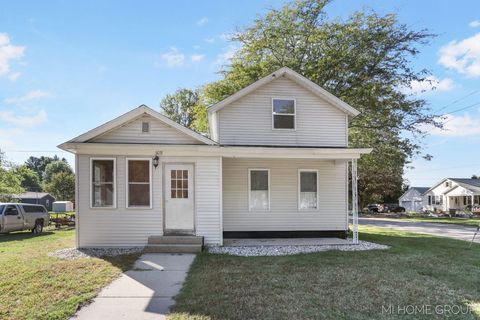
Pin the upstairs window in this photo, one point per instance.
(145, 127)
(283, 113)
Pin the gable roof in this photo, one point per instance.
(421, 190)
(133, 114)
(460, 181)
(467, 181)
(294, 76)
(33, 195)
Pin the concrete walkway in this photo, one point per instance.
(146, 292)
(453, 231)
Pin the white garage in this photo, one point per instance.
(412, 199)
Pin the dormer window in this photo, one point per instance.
(283, 113)
(145, 127)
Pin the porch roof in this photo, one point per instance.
(463, 190)
(270, 152)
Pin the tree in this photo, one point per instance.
(62, 186)
(10, 182)
(474, 176)
(182, 106)
(55, 167)
(29, 178)
(364, 60)
(38, 164)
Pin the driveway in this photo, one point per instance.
(146, 292)
(437, 229)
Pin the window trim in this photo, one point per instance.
(249, 189)
(114, 206)
(299, 190)
(294, 114)
(127, 185)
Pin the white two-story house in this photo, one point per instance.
(276, 165)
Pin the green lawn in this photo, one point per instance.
(418, 270)
(466, 222)
(36, 286)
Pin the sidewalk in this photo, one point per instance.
(146, 292)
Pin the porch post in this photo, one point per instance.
(354, 201)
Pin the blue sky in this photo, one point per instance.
(66, 67)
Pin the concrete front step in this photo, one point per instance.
(175, 240)
(173, 248)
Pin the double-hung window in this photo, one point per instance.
(259, 189)
(103, 182)
(307, 189)
(283, 113)
(139, 183)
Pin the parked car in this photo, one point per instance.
(391, 207)
(21, 216)
(373, 207)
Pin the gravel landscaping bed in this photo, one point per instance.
(73, 253)
(253, 251)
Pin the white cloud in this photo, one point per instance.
(31, 95)
(462, 56)
(173, 58)
(227, 55)
(202, 22)
(429, 84)
(458, 126)
(197, 57)
(32, 120)
(8, 52)
(209, 40)
(474, 23)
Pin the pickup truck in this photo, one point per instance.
(22, 216)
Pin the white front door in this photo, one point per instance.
(179, 191)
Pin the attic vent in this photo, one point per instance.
(145, 127)
(448, 184)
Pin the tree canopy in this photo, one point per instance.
(181, 106)
(62, 186)
(55, 167)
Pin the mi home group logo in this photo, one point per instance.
(446, 310)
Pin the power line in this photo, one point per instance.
(459, 99)
(36, 151)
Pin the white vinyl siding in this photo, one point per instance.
(248, 121)
(284, 214)
(122, 226)
(159, 132)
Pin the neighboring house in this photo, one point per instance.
(452, 194)
(412, 199)
(276, 166)
(43, 198)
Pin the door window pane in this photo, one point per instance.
(308, 190)
(103, 187)
(259, 197)
(179, 184)
(138, 183)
